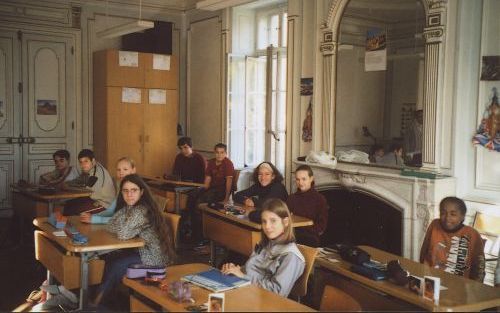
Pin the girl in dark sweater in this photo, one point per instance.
(308, 202)
(267, 184)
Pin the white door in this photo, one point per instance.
(40, 105)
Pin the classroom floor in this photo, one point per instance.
(21, 273)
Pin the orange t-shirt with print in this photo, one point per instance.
(460, 252)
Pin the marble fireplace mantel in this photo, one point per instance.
(417, 198)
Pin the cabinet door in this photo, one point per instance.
(10, 98)
(49, 99)
(160, 133)
(124, 126)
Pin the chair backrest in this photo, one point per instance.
(172, 221)
(487, 224)
(300, 287)
(236, 176)
(334, 299)
(161, 202)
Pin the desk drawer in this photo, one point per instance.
(65, 268)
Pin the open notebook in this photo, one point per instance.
(215, 281)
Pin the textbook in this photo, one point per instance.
(215, 281)
(95, 210)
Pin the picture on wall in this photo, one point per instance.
(306, 86)
(46, 107)
(490, 69)
(488, 132)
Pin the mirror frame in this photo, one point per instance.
(434, 30)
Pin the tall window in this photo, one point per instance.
(257, 94)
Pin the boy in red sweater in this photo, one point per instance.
(452, 246)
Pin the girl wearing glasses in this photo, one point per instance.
(137, 216)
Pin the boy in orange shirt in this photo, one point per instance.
(452, 246)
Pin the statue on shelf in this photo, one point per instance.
(488, 133)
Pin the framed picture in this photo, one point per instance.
(306, 86)
(490, 69)
(216, 302)
(46, 107)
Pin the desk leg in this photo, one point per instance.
(84, 279)
(213, 252)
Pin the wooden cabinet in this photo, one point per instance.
(135, 110)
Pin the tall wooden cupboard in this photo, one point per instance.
(135, 109)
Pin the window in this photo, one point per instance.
(257, 93)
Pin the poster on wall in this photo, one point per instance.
(306, 86)
(46, 107)
(488, 132)
(376, 52)
(490, 69)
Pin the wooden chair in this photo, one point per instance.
(161, 202)
(300, 287)
(173, 220)
(488, 227)
(334, 299)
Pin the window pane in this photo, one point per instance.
(262, 33)
(274, 30)
(284, 30)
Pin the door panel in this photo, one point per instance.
(49, 104)
(10, 154)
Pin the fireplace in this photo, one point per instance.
(358, 218)
(408, 203)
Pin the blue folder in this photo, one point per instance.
(215, 281)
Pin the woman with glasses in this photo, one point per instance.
(137, 216)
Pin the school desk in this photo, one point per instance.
(164, 186)
(74, 268)
(238, 234)
(146, 298)
(30, 203)
(462, 294)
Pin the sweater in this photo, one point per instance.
(103, 190)
(132, 221)
(191, 168)
(313, 205)
(460, 252)
(259, 194)
(104, 216)
(275, 268)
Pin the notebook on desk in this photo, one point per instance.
(215, 281)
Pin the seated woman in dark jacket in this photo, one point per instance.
(267, 184)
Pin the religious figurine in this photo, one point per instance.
(488, 133)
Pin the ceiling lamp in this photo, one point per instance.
(127, 28)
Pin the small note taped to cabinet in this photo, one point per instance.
(161, 62)
(157, 96)
(128, 58)
(131, 95)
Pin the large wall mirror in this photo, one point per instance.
(380, 112)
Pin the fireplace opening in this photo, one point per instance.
(358, 218)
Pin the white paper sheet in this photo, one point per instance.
(128, 58)
(157, 96)
(131, 95)
(161, 62)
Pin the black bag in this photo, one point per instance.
(353, 254)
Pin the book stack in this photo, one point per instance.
(215, 281)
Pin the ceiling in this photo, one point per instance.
(389, 11)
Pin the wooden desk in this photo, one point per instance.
(248, 298)
(47, 251)
(462, 294)
(26, 199)
(235, 233)
(163, 186)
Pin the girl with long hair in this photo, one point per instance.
(276, 263)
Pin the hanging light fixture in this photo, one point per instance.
(127, 28)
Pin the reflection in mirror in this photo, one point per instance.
(379, 112)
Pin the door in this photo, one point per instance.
(39, 92)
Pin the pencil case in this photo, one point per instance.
(140, 271)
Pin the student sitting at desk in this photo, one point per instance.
(276, 263)
(308, 202)
(267, 184)
(137, 216)
(125, 166)
(95, 177)
(189, 165)
(62, 172)
(452, 246)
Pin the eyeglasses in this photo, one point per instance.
(130, 191)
